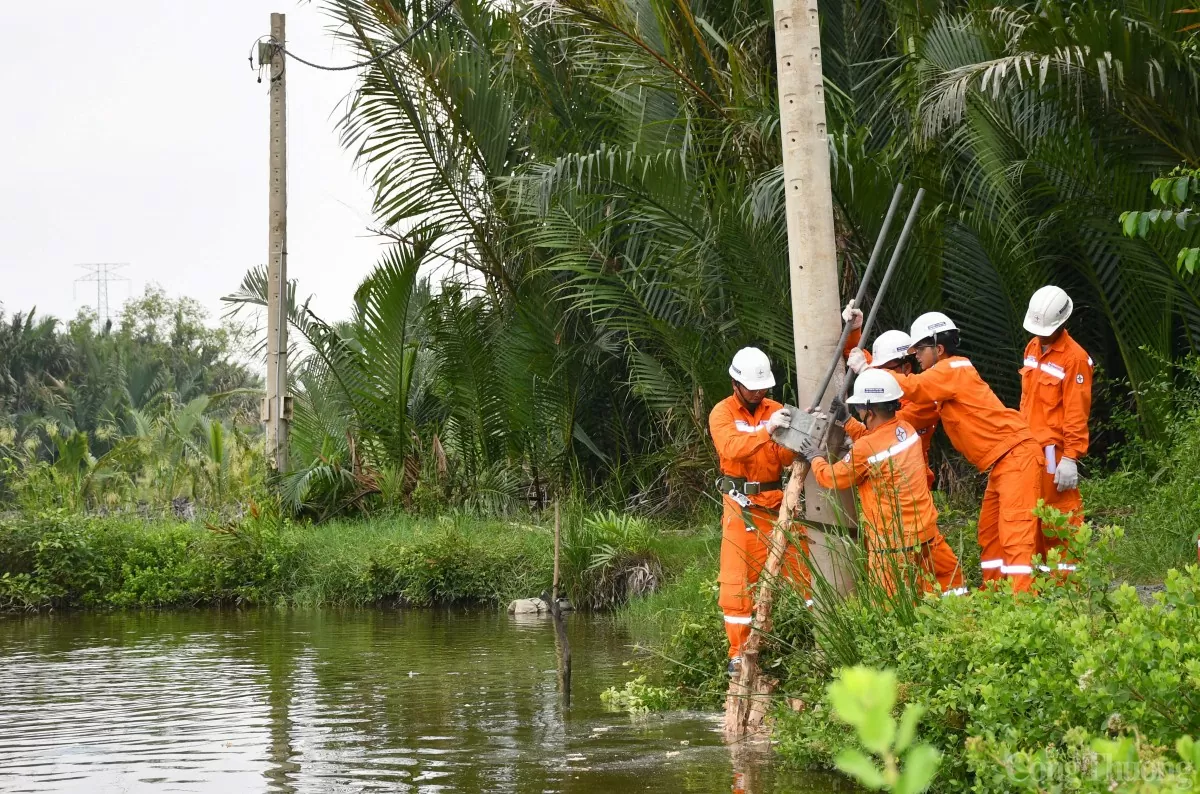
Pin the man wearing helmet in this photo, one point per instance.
(898, 515)
(751, 490)
(890, 352)
(993, 438)
(1056, 400)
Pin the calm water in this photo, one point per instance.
(339, 701)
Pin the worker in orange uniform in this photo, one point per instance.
(992, 437)
(898, 515)
(751, 491)
(1056, 401)
(890, 352)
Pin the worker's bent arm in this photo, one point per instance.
(1077, 407)
(732, 443)
(836, 476)
(921, 416)
(931, 386)
(854, 429)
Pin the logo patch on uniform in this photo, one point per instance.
(1079, 378)
(901, 434)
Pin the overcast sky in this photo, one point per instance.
(135, 131)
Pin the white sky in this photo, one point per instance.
(135, 131)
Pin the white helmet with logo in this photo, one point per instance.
(752, 369)
(929, 324)
(875, 386)
(889, 346)
(1049, 308)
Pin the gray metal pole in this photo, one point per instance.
(858, 298)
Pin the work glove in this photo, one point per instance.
(839, 410)
(1066, 476)
(810, 448)
(857, 360)
(852, 316)
(781, 418)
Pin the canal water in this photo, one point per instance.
(368, 700)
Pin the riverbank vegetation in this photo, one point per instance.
(586, 209)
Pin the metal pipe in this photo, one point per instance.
(862, 291)
(909, 222)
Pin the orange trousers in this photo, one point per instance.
(1008, 529)
(923, 567)
(1069, 502)
(743, 555)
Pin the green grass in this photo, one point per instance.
(60, 559)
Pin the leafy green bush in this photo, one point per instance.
(1021, 672)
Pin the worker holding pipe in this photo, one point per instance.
(1056, 401)
(898, 515)
(890, 352)
(751, 492)
(994, 438)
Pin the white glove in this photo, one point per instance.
(781, 418)
(1066, 476)
(852, 316)
(857, 360)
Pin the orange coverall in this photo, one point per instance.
(922, 416)
(898, 515)
(994, 437)
(745, 449)
(1056, 400)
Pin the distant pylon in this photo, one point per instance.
(102, 273)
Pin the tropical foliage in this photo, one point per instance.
(596, 187)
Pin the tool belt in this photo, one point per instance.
(739, 490)
(750, 488)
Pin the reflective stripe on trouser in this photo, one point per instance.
(1069, 502)
(1008, 529)
(743, 555)
(933, 562)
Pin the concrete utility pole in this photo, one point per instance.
(812, 250)
(816, 326)
(276, 409)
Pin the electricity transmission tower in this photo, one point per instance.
(102, 273)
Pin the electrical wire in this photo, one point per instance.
(390, 51)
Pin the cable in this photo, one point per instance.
(386, 54)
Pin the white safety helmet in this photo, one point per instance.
(874, 386)
(1049, 308)
(889, 346)
(752, 369)
(929, 324)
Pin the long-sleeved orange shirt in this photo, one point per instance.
(923, 416)
(745, 449)
(889, 469)
(978, 424)
(1056, 394)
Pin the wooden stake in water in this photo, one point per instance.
(561, 646)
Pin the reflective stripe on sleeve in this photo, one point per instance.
(894, 449)
(808, 602)
(960, 364)
(1044, 568)
(738, 620)
(746, 427)
(988, 565)
(1016, 570)
(1030, 361)
(955, 592)
(1066, 566)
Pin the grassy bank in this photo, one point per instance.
(60, 559)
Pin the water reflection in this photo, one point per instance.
(322, 701)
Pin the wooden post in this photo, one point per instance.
(276, 405)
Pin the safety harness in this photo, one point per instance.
(740, 490)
